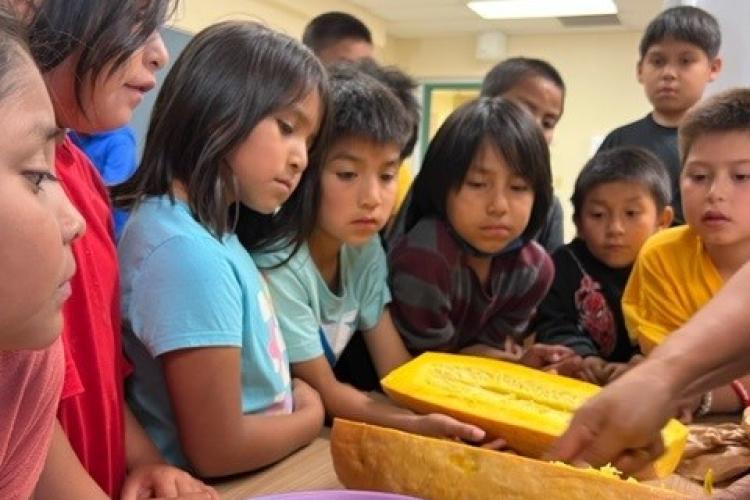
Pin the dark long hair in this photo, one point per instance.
(228, 78)
(105, 31)
(507, 127)
(13, 52)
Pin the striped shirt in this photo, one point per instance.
(438, 302)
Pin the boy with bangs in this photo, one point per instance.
(681, 269)
(621, 198)
(678, 58)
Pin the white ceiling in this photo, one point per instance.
(427, 18)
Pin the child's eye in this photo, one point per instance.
(387, 176)
(476, 184)
(596, 215)
(632, 213)
(742, 177)
(346, 176)
(37, 177)
(697, 177)
(519, 187)
(549, 124)
(285, 127)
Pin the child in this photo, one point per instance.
(98, 59)
(466, 276)
(232, 123)
(621, 197)
(37, 227)
(680, 269)
(678, 58)
(335, 281)
(114, 154)
(536, 85)
(338, 36)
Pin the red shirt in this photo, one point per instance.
(92, 403)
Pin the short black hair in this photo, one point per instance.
(227, 80)
(402, 86)
(623, 164)
(365, 107)
(330, 28)
(511, 72)
(105, 31)
(727, 111)
(686, 24)
(507, 127)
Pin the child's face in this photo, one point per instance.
(37, 222)
(674, 74)
(358, 189)
(110, 100)
(493, 205)
(268, 164)
(543, 99)
(715, 187)
(348, 49)
(616, 219)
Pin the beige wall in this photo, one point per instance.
(598, 68)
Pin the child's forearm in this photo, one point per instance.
(139, 449)
(260, 440)
(63, 475)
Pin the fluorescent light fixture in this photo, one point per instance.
(524, 9)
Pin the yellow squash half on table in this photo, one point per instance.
(526, 407)
(369, 457)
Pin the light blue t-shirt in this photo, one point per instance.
(182, 288)
(314, 320)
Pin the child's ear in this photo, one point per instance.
(715, 65)
(638, 68)
(666, 217)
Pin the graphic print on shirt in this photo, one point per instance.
(277, 350)
(336, 334)
(594, 314)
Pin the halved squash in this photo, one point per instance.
(526, 407)
(378, 458)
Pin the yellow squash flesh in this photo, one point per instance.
(526, 407)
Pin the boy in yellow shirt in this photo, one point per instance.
(680, 269)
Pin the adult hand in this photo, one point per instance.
(621, 425)
(164, 481)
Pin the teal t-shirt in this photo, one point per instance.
(314, 320)
(182, 288)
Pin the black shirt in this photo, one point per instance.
(661, 141)
(582, 309)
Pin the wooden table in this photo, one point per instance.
(308, 469)
(311, 469)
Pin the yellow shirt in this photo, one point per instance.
(404, 180)
(672, 278)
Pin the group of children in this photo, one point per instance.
(255, 253)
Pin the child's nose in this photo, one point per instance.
(498, 203)
(370, 193)
(72, 223)
(155, 52)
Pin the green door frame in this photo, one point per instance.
(427, 89)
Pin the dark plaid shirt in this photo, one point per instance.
(438, 302)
